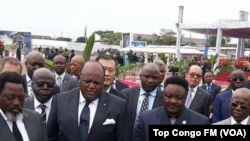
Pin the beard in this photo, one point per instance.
(12, 117)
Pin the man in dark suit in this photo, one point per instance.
(110, 66)
(34, 60)
(17, 123)
(43, 82)
(88, 112)
(221, 103)
(212, 88)
(146, 91)
(197, 99)
(120, 85)
(162, 68)
(173, 112)
(65, 81)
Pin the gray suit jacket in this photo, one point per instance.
(68, 83)
(133, 95)
(227, 122)
(63, 121)
(201, 102)
(33, 124)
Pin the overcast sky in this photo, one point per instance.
(68, 18)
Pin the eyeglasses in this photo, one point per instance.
(195, 75)
(235, 79)
(243, 107)
(41, 84)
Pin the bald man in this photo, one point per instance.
(34, 60)
(43, 82)
(239, 108)
(148, 90)
(76, 65)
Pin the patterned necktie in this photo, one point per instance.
(84, 122)
(208, 88)
(16, 132)
(43, 113)
(189, 98)
(144, 106)
(59, 81)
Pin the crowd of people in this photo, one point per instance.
(89, 103)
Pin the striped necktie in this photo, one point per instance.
(43, 113)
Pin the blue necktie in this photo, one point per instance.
(208, 88)
(84, 122)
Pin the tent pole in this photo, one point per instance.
(178, 42)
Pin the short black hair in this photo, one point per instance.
(178, 80)
(11, 77)
(108, 57)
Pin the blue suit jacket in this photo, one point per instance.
(221, 108)
(158, 116)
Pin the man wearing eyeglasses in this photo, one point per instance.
(43, 82)
(197, 98)
(221, 103)
(239, 108)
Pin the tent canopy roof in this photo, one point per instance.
(230, 28)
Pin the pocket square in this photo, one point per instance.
(108, 121)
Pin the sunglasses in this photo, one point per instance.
(243, 107)
(195, 75)
(41, 84)
(235, 79)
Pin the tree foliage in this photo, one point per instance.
(110, 37)
(81, 40)
(64, 39)
(212, 41)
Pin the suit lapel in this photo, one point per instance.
(163, 117)
(100, 116)
(134, 100)
(64, 82)
(196, 97)
(158, 98)
(5, 131)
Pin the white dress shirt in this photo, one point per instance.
(20, 125)
(92, 107)
(243, 122)
(29, 87)
(151, 99)
(39, 110)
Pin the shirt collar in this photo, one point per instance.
(83, 100)
(152, 93)
(62, 75)
(27, 78)
(243, 122)
(37, 103)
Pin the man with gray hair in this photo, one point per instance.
(162, 68)
(11, 64)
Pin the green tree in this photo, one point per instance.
(212, 41)
(81, 40)
(110, 37)
(167, 37)
(247, 44)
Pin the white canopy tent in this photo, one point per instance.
(227, 28)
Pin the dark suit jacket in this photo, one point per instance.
(56, 88)
(221, 106)
(158, 116)
(63, 121)
(118, 93)
(133, 95)
(215, 89)
(201, 102)
(68, 83)
(33, 124)
(120, 86)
